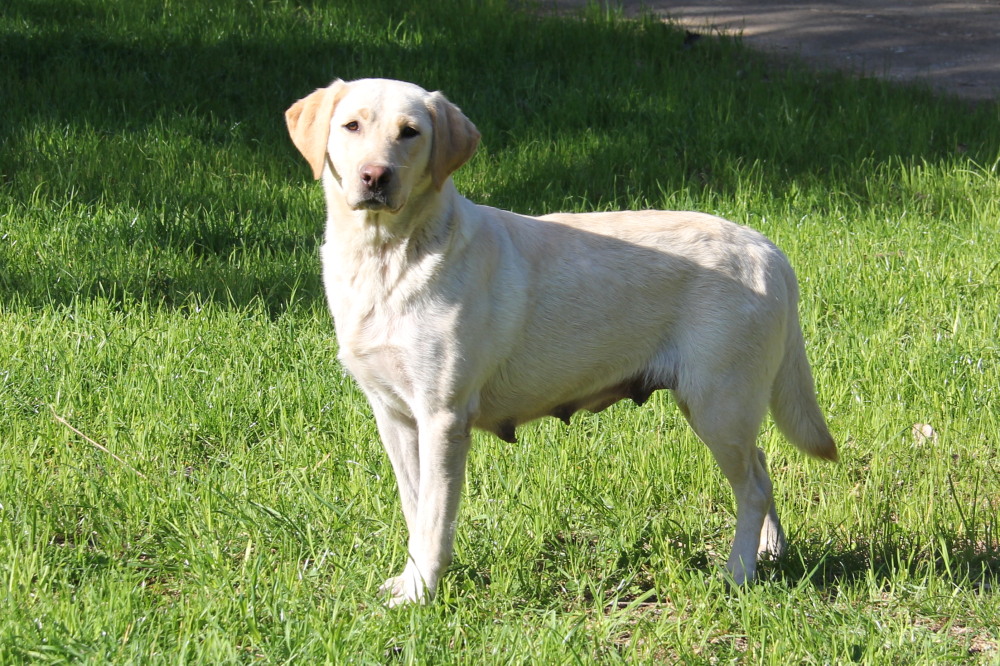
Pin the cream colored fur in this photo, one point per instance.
(452, 315)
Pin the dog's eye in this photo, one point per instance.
(352, 126)
(408, 132)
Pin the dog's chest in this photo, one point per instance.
(375, 347)
(374, 299)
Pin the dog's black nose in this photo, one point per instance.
(375, 177)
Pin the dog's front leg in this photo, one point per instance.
(399, 438)
(444, 446)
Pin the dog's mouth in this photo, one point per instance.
(376, 206)
(374, 201)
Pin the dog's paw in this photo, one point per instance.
(407, 588)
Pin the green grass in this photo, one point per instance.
(159, 292)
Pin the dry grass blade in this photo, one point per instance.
(98, 445)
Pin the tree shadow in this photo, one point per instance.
(154, 165)
(149, 149)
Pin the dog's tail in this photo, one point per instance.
(793, 397)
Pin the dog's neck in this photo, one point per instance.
(382, 249)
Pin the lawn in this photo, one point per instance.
(187, 475)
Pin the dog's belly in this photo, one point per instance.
(501, 415)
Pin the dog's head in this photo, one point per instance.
(382, 140)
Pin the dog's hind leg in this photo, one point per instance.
(772, 537)
(727, 419)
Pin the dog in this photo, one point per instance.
(452, 316)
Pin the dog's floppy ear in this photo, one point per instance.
(309, 123)
(455, 138)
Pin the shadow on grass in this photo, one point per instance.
(969, 566)
(143, 156)
(147, 148)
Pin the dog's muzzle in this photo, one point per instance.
(376, 187)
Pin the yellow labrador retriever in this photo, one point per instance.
(452, 315)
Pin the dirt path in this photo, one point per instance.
(953, 46)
